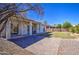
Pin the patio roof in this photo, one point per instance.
(21, 18)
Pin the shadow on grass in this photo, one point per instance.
(29, 40)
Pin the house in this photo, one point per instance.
(21, 26)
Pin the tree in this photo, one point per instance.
(58, 25)
(8, 10)
(72, 29)
(67, 25)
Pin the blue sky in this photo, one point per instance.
(57, 13)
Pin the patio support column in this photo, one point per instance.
(8, 29)
(19, 31)
(41, 28)
(45, 28)
(38, 28)
(25, 29)
(20, 28)
(30, 28)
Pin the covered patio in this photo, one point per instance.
(22, 27)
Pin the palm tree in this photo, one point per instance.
(8, 10)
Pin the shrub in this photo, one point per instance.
(72, 29)
(77, 28)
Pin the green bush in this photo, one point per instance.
(77, 28)
(72, 29)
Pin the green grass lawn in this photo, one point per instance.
(65, 35)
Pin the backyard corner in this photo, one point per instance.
(39, 29)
